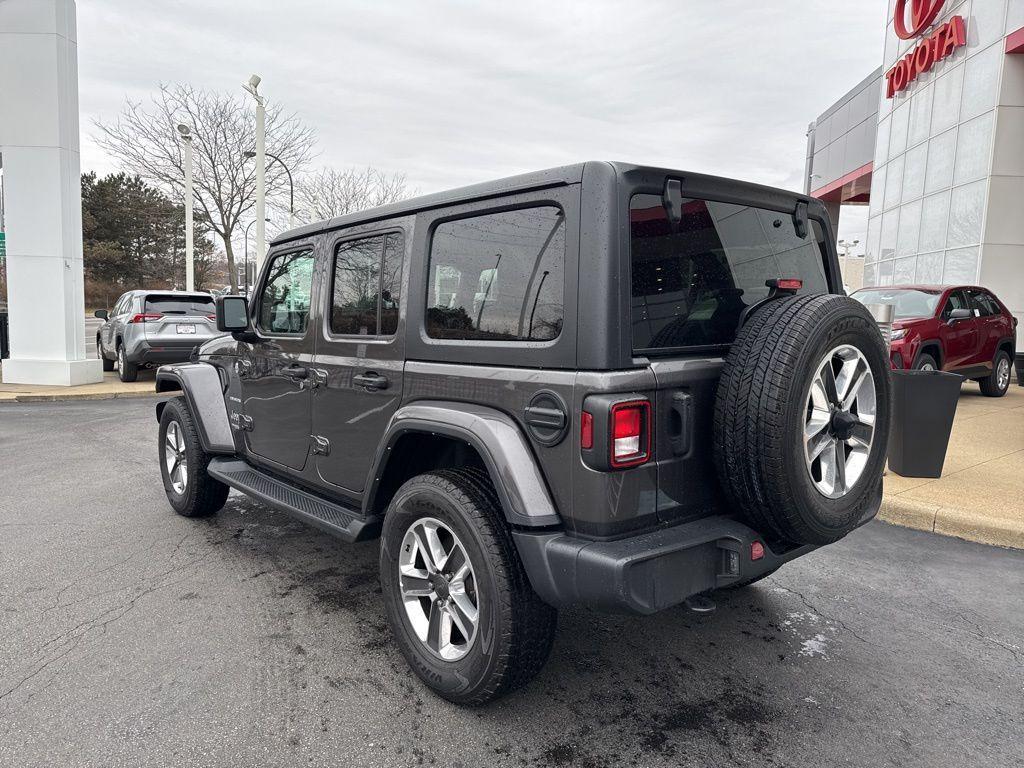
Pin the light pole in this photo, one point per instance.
(247, 228)
(190, 270)
(261, 168)
(291, 185)
(847, 247)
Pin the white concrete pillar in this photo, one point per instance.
(42, 194)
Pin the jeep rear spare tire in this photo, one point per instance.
(801, 422)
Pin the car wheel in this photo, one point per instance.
(926, 363)
(191, 491)
(127, 371)
(108, 365)
(459, 603)
(998, 383)
(801, 423)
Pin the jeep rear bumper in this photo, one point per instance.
(649, 572)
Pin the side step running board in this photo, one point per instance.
(345, 523)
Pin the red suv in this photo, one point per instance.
(962, 328)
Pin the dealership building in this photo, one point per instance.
(933, 143)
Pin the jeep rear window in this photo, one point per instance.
(498, 277)
(180, 305)
(689, 287)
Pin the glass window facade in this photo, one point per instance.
(934, 155)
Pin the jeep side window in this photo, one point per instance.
(367, 286)
(690, 285)
(498, 277)
(284, 300)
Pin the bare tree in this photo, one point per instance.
(145, 140)
(330, 192)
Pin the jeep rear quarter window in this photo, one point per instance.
(498, 277)
(689, 287)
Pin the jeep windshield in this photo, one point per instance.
(906, 302)
(690, 286)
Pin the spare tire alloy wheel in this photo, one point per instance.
(840, 421)
(801, 422)
(438, 588)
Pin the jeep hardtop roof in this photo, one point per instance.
(731, 189)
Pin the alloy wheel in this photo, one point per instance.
(439, 589)
(1003, 374)
(840, 423)
(174, 457)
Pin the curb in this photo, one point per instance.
(949, 521)
(60, 398)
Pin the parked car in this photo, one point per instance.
(965, 329)
(147, 328)
(609, 385)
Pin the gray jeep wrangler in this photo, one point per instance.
(603, 384)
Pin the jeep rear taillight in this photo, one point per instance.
(631, 434)
(145, 318)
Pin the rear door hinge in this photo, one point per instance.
(244, 422)
(321, 445)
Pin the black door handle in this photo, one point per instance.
(370, 380)
(294, 371)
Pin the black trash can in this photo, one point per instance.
(1020, 370)
(923, 407)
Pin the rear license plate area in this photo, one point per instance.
(186, 328)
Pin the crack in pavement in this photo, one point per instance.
(834, 619)
(156, 583)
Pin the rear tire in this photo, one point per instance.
(513, 630)
(997, 384)
(190, 490)
(801, 422)
(926, 363)
(127, 372)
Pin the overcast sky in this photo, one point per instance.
(452, 93)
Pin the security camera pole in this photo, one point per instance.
(190, 271)
(261, 170)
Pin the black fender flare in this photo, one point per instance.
(926, 344)
(1012, 342)
(501, 444)
(204, 393)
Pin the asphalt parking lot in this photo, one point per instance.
(131, 636)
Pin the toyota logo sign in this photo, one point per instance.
(922, 14)
(938, 45)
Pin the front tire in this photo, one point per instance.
(998, 383)
(481, 631)
(190, 490)
(108, 365)
(926, 363)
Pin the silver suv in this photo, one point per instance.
(147, 328)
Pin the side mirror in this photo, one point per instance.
(102, 314)
(960, 314)
(232, 314)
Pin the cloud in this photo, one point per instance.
(453, 92)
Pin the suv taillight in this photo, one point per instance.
(631, 434)
(146, 318)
